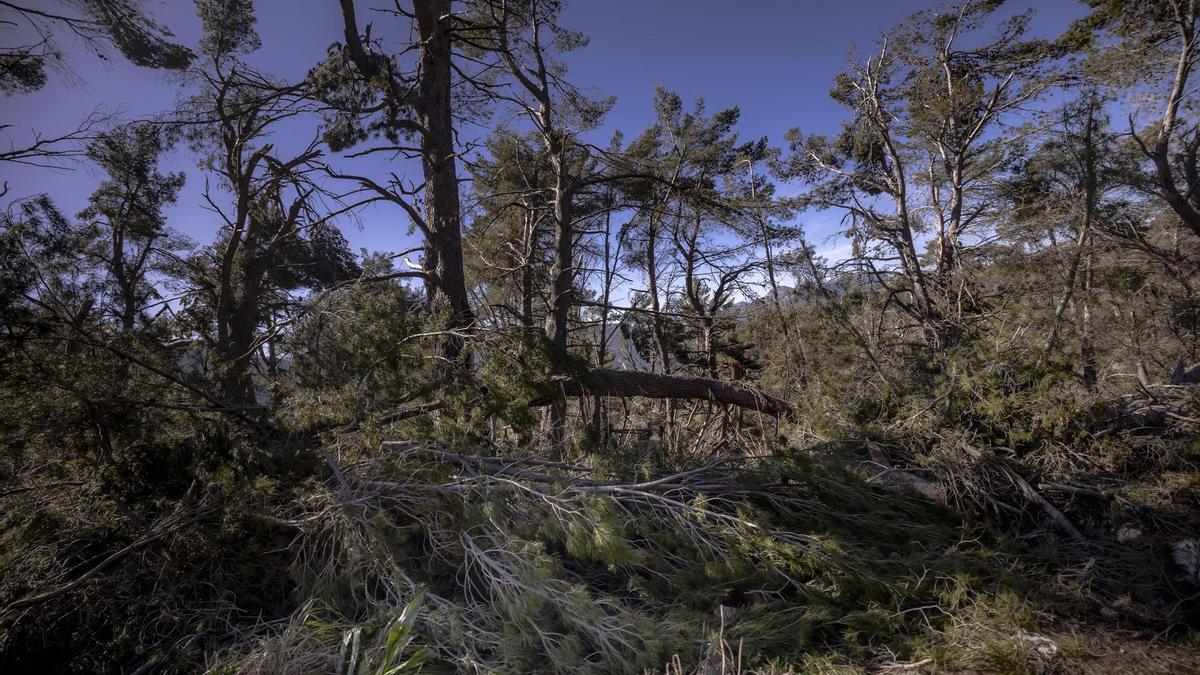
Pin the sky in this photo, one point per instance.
(775, 59)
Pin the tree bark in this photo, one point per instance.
(444, 258)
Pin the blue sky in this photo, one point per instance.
(773, 58)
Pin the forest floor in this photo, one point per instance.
(810, 565)
(1104, 651)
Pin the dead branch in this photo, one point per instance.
(142, 542)
(881, 468)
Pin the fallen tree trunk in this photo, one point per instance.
(622, 383)
(631, 383)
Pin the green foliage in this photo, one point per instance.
(392, 641)
(124, 24)
(228, 27)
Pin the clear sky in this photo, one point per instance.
(773, 58)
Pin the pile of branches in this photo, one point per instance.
(527, 564)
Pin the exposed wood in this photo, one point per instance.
(1094, 493)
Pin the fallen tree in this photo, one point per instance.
(630, 383)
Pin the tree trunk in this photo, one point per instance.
(444, 258)
(1183, 205)
(562, 271)
(1090, 191)
(563, 274)
(1087, 343)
